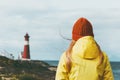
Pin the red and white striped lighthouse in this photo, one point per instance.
(26, 52)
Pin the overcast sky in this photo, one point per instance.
(44, 19)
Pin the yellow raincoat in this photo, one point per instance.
(85, 59)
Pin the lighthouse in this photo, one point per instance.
(26, 52)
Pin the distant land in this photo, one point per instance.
(25, 70)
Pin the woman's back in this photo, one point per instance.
(85, 63)
(85, 58)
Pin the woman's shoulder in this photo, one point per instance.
(63, 56)
(105, 56)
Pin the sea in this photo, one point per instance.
(115, 67)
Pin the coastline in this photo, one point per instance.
(25, 70)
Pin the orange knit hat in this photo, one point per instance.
(82, 28)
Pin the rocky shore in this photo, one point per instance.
(25, 70)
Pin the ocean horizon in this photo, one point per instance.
(114, 64)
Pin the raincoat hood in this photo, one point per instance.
(86, 48)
